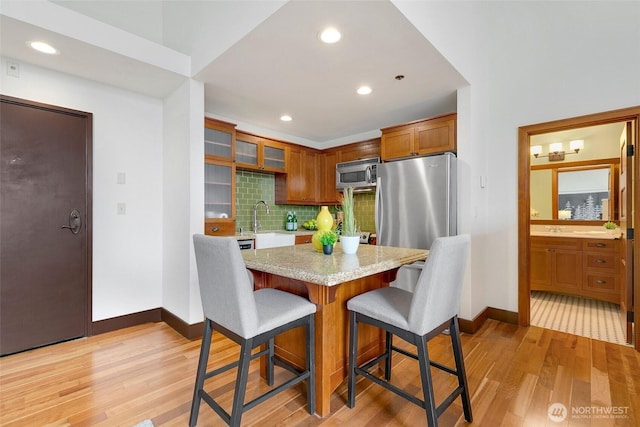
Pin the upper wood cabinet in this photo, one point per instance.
(219, 139)
(219, 178)
(327, 192)
(359, 150)
(430, 136)
(257, 153)
(299, 185)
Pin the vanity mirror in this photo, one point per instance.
(574, 193)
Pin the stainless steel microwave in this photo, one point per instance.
(359, 174)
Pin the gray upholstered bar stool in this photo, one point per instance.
(250, 319)
(416, 317)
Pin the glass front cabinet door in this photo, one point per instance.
(219, 178)
(261, 154)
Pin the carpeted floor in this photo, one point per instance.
(579, 316)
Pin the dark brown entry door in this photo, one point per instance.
(45, 160)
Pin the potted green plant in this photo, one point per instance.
(610, 226)
(349, 239)
(328, 238)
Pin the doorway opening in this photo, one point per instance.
(558, 219)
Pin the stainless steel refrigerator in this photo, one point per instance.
(415, 204)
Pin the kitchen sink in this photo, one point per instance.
(274, 240)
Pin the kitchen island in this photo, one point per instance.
(329, 281)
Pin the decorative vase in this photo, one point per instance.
(349, 244)
(327, 249)
(325, 223)
(324, 219)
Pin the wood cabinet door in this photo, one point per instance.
(397, 144)
(359, 150)
(310, 175)
(219, 197)
(327, 169)
(436, 136)
(540, 268)
(299, 184)
(247, 154)
(257, 153)
(294, 178)
(219, 140)
(566, 270)
(272, 157)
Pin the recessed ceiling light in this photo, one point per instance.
(364, 90)
(286, 118)
(330, 35)
(43, 47)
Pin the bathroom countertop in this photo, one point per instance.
(575, 231)
(251, 235)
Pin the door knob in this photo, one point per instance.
(75, 222)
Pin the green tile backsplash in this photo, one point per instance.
(254, 186)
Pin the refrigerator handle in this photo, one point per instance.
(378, 209)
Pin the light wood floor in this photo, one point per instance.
(147, 371)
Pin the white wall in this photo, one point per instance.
(183, 199)
(127, 137)
(527, 63)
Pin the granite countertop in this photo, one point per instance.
(302, 262)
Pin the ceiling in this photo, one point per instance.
(257, 60)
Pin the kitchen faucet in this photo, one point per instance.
(256, 224)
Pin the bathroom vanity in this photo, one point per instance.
(579, 263)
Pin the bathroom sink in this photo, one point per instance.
(274, 240)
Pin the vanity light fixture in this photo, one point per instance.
(536, 150)
(286, 118)
(556, 150)
(364, 90)
(330, 35)
(576, 145)
(43, 47)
